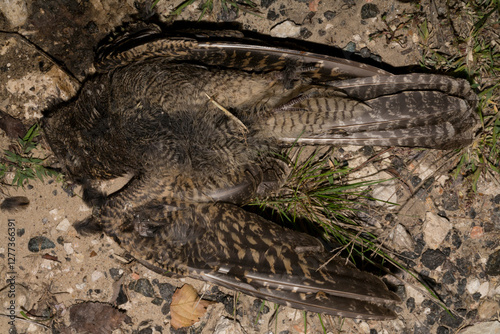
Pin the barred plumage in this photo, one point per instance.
(197, 121)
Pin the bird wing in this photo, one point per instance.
(228, 49)
(334, 101)
(223, 244)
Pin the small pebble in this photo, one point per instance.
(64, 225)
(476, 232)
(39, 243)
(142, 286)
(286, 29)
(68, 247)
(432, 258)
(369, 10)
(493, 264)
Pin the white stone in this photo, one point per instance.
(15, 11)
(491, 327)
(96, 275)
(54, 213)
(64, 225)
(435, 229)
(424, 171)
(488, 309)
(416, 294)
(80, 286)
(385, 192)
(227, 326)
(364, 327)
(483, 289)
(496, 291)
(473, 286)
(32, 328)
(79, 258)
(47, 264)
(68, 247)
(401, 239)
(285, 29)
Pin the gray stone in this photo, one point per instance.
(40, 243)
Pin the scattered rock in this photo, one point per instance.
(64, 225)
(272, 15)
(228, 326)
(350, 47)
(488, 309)
(369, 10)
(39, 243)
(482, 328)
(329, 14)
(286, 29)
(122, 297)
(142, 286)
(476, 232)
(496, 199)
(435, 229)
(305, 33)
(68, 248)
(450, 201)
(157, 301)
(365, 52)
(386, 191)
(116, 273)
(401, 239)
(259, 307)
(493, 264)
(16, 12)
(453, 321)
(96, 275)
(442, 330)
(433, 258)
(267, 3)
(166, 291)
(473, 286)
(448, 278)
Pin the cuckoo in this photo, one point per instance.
(197, 119)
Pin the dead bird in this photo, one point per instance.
(198, 118)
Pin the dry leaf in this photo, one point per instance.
(186, 307)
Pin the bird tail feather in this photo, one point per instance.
(402, 110)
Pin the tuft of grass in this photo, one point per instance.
(316, 190)
(22, 161)
(475, 55)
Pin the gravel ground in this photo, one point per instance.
(442, 231)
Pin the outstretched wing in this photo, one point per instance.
(223, 244)
(228, 49)
(327, 100)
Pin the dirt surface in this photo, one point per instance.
(442, 231)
